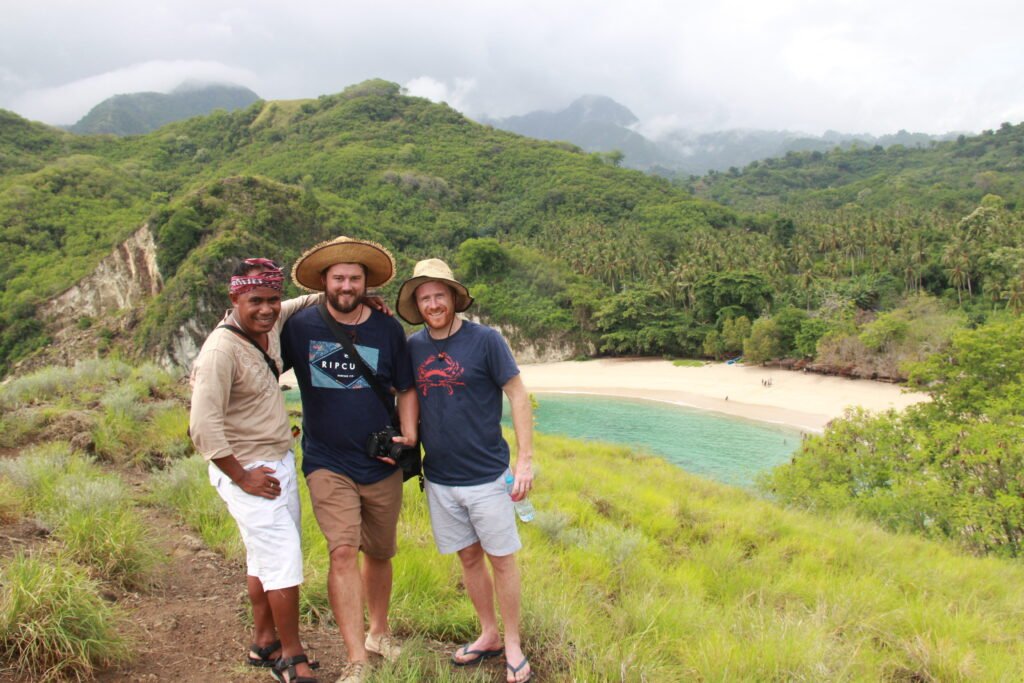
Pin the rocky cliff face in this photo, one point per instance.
(548, 350)
(185, 345)
(104, 306)
(122, 280)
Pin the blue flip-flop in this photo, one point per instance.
(516, 669)
(481, 655)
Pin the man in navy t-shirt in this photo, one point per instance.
(461, 371)
(356, 498)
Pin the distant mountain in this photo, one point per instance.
(595, 123)
(600, 124)
(698, 153)
(139, 113)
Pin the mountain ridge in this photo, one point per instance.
(598, 123)
(143, 112)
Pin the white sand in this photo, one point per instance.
(805, 401)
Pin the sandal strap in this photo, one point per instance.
(265, 652)
(292, 661)
(287, 665)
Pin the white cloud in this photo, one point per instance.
(853, 65)
(454, 95)
(65, 104)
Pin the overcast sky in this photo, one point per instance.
(855, 66)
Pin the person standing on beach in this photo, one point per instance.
(356, 498)
(239, 424)
(461, 370)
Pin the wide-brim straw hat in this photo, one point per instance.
(429, 270)
(378, 261)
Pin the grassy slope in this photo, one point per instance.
(633, 569)
(636, 569)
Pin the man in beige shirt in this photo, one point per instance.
(238, 422)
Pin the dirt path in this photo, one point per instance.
(195, 627)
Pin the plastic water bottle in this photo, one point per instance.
(524, 508)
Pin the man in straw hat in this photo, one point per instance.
(239, 424)
(461, 370)
(356, 498)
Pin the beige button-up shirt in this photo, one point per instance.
(237, 405)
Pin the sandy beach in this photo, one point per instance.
(802, 400)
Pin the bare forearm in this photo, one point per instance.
(230, 466)
(409, 414)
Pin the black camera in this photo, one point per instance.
(380, 444)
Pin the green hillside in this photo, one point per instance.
(142, 112)
(948, 176)
(560, 244)
(417, 176)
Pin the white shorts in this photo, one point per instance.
(462, 515)
(271, 529)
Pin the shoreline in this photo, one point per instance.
(800, 400)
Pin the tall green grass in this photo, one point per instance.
(636, 571)
(185, 488)
(88, 510)
(53, 624)
(120, 414)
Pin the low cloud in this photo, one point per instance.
(67, 103)
(455, 95)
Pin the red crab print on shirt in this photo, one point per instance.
(446, 376)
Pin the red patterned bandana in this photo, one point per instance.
(271, 276)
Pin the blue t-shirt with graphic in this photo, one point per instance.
(339, 408)
(459, 381)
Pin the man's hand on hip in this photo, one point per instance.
(258, 482)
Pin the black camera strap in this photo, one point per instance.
(345, 340)
(411, 467)
(244, 335)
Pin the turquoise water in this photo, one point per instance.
(726, 449)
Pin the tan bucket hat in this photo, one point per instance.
(379, 263)
(429, 270)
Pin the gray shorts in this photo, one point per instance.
(462, 515)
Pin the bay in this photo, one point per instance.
(724, 448)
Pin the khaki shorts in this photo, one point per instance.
(364, 516)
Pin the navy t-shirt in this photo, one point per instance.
(339, 408)
(459, 383)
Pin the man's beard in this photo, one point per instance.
(335, 302)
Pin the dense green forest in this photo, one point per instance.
(857, 260)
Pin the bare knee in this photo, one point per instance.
(472, 557)
(505, 565)
(344, 557)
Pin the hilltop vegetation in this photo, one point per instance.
(558, 243)
(949, 176)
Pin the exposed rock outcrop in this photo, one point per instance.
(102, 307)
(547, 350)
(122, 280)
